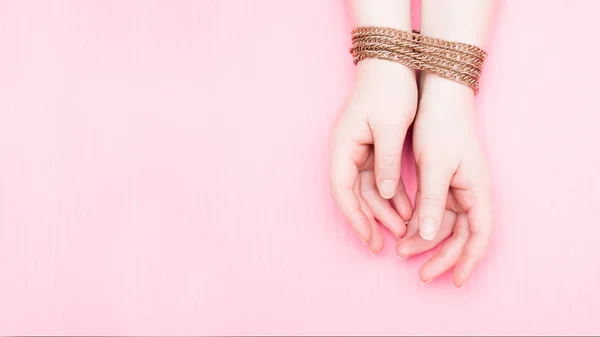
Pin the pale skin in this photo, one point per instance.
(453, 201)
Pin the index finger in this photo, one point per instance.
(343, 174)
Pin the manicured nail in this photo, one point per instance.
(387, 188)
(428, 229)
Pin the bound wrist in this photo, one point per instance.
(436, 87)
(384, 71)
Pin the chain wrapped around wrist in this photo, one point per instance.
(456, 61)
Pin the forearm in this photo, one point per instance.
(458, 20)
(383, 13)
(386, 13)
(465, 21)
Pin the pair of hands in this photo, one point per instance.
(453, 200)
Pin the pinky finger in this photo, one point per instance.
(344, 176)
(471, 255)
(480, 226)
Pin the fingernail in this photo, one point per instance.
(400, 257)
(428, 229)
(425, 281)
(371, 251)
(362, 240)
(387, 188)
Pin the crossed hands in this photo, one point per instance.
(453, 200)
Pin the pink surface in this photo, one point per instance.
(163, 170)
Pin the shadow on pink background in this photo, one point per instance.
(163, 170)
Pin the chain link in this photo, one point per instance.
(455, 61)
(426, 40)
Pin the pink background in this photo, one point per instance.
(163, 170)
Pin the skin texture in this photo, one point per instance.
(453, 182)
(452, 172)
(378, 111)
(367, 140)
(453, 202)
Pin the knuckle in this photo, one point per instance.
(461, 235)
(388, 163)
(388, 121)
(368, 189)
(432, 200)
(425, 157)
(444, 254)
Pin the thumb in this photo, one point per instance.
(388, 141)
(433, 186)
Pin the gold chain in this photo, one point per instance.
(455, 61)
(471, 60)
(427, 40)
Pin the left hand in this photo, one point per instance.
(454, 190)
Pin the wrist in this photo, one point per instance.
(445, 100)
(372, 69)
(436, 87)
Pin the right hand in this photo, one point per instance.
(454, 187)
(366, 147)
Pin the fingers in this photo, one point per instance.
(412, 227)
(433, 187)
(449, 253)
(389, 140)
(381, 208)
(343, 176)
(480, 225)
(417, 245)
(376, 241)
(401, 202)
